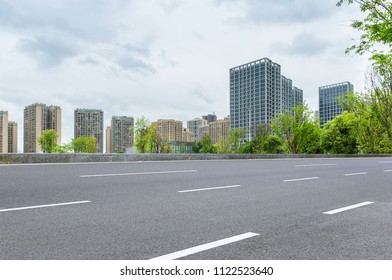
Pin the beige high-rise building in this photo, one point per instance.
(218, 129)
(3, 132)
(89, 122)
(187, 135)
(169, 130)
(108, 140)
(39, 117)
(12, 137)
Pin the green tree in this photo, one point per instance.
(223, 146)
(260, 139)
(204, 146)
(140, 130)
(236, 139)
(85, 144)
(65, 148)
(371, 134)
(340, 134)
(48, 141)
(298, 131)
(376, 31)
(273, 145)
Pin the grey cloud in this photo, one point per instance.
(282, 11)
(89, 60)
(138, 49)
(169, 5)
(198, 92)
(48, 52)
(304, 44)
(89, 20)
(130, 63)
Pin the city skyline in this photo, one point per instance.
(172, 67)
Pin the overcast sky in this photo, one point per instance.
(164, 58)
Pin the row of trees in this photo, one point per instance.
(83, 144)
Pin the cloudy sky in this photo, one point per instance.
(164, 58)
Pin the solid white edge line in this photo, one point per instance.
(301, 179)
(318, 164)
(137, 173)
(43, 206)
(204, 247)
(207, 189)
(335, 211)
(354, 174)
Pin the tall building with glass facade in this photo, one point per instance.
(329, 106)
(89, 122)
(39, 117)
(258, 93)
(121, 137)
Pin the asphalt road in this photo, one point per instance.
(239, 209)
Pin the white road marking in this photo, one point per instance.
(301, 179)
(137, 173)
(387, 170)
(385, 162)
(348, 208)
(354, 174)
(207, 246)
(318, 164)
(43, 206)
(207, 189)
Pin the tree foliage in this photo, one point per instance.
(204, 146)
(298, 131)
(340, 135)
(85, 144)
(48, 141)
(376, 29)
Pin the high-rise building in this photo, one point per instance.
(3, 132)
(109, 140)
(12, 137)
(329, 106)
(39, 117)
(187, 135)
(204, 131)
(258, 93)
(193, 126)
(219, 129)
(121, 136)
(89, 122)
(210, 118)
(169, 130)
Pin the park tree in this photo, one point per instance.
(299, 132)
(236, 139)
(376, 31)
(340, 134)
(48, 141)
(223, 146)
(85, 144)
(140, 130)
(204, 146)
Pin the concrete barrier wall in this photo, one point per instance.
(69, 158)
